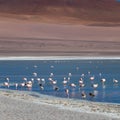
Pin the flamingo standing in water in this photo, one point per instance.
(65, 81)
(8, 79)
(67, 92)
(28, 85)
(115, 81)
(41, 86)
(103, 80)
(92, 94)
(69, 74)
(22, 84)
(51, 74)
(82, 85)
(56, 88)
(92, 78)
(83, 95)
(6, 84)
(81, 81)
(94, 86)
(73, 85)
(16, 85)
(35, 74)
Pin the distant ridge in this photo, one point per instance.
(86, 10)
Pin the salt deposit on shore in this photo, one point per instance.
(33, 106)
(60, 58)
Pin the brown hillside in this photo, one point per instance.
(86, 10)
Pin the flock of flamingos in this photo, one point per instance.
(66, 81)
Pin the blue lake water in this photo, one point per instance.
(70, 70)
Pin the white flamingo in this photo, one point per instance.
(72, 85)
(54, 82)
(29, 85)
(8, 79)
(6, 84)
(43, 80)
(115, 81)
(82, 85)
(67, 92)
(35, 74)
(22, 84)
(16, 85)
(81, 81)
(69, 74)
(92, 78)
(64, 81)
(51, 74)
(32, 79)
(38, 79)
(103, 80)
(83, 75)
(94, 86)
(25, 79)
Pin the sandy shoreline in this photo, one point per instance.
(28, 106)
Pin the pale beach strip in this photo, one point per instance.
(23, 105)
(60, 58)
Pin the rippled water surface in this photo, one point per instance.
(47, 78)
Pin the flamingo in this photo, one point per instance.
(54, 82)
(51, 74)
(69, 74)
(82, 85)
(35, 74)
(56, 88)
(51, 66)
(16, 85)
(72, 85)
(88, 72)
(35, 66)
(41, 86)
(6, 84)
(67, 92)
(115, 81)
(8, 79)
(83, 75)
(103, 80)
(64, 81)
(91, 94)
(22, 84)
(29, 85)
(50, 79)
(94, 86)
(25, 79)
(83, 95)
(38, 79)
(32, 79)
(81, 81)
(29, 82)
(43, 80)
(92, 78)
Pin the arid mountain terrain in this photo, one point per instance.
(80, 11)
(59, 27)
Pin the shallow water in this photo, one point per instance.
(59, 70)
